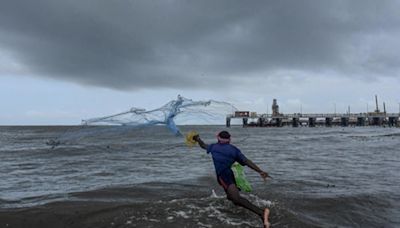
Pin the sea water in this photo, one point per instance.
(322, 177)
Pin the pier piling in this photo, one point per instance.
(377, 121)
(295, 122)
(261, 122)
(344, 121)
(228, 122)
(361, 121)
(311, 122)
(393, 121)
(328, 121)
(245, 121)
(277, 122)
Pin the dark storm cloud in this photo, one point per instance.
(171, 44)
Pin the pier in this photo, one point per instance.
(277, 119)
(314, 120)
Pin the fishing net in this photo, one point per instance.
(182, 111)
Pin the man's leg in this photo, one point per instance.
(233, 195)
(227, 181)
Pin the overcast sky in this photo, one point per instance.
(63, 61)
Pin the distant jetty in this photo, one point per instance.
(277, 119)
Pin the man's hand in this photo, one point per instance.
(201, 143)
(264, 175)
(196, 138)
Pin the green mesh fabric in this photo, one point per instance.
(240, 178)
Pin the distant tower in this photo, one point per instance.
(384, 108)
(275, 108)
(376, 103)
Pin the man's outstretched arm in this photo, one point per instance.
(201, 143)
(250, 164)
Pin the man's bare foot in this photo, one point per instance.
(266, 218)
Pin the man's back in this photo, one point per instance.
(224, 155)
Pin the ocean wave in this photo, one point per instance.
(345, 211)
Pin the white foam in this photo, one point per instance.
(216, 207)
(213, 194)
(153, 220)
(182, 214)
(204, 225)
(228, 221)
(258, 201)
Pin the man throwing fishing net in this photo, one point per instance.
(224, 155)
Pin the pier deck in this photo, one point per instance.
(312, 120)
